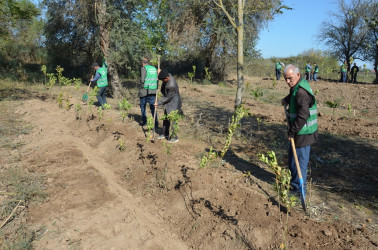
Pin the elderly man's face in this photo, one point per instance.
(291, 78)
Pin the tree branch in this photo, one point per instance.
(220, 5)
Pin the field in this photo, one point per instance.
(90, 181)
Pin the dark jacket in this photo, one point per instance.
(303, 103)
(171, 95)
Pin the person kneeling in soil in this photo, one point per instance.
(171, 102)
(303, 122)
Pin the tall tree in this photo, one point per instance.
(79, 32)
(104, 24)
(20, 31)
(251, 9)
(346, 35)
(371, 48)
(202, 30)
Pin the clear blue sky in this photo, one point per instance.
(296, 30)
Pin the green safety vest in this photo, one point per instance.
(151, 78)
(103, 80)
(312, 121)
(316, 69)
(278, 66)
(307, 68)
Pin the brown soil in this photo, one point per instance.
(101, 197)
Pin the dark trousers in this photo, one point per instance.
(303, 154)
(143, 102)
(166, 126)
(101, 95)
(353, 77)
(308, 76)
(278, 74)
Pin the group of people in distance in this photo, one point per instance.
(353, 73)
(311, 72)
(301, 100)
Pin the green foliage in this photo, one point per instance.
(150, 127)
(257, 93)
(121, 144)
(208, 74)
(274, 80)
(209, 157)
(192, 74)
(20, 38)
(60, 99)
(283, 178)
(239, 113)
(124, 107)
(63, 81)
(77, 82)
(173, 117)
(349, 108)
(100, 110)
(78, 109)
(332, 104)
(92, 96)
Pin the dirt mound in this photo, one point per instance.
(136, 197)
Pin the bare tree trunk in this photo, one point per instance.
(376, 65)
(105, 47)
(240, 66)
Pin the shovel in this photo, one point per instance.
(153, 138)
(301, 184)
(85, 96)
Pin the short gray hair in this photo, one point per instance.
(292, 67)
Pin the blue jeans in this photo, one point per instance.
(143, 102)
(315, 75)
(278, 74)
(101, 95)
(303, 154)
(343, 77)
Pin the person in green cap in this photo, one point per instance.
(101, 77)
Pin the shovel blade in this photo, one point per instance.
(85, 97)
(302, 194)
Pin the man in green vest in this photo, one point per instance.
(308, 71)
(303, 121)
(278, 70)
(343, 70)
(101, 77)
(147, 90)
(316, 71)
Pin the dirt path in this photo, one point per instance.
(87, 206)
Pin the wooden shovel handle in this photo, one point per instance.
(296, 158)
(90, 82)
